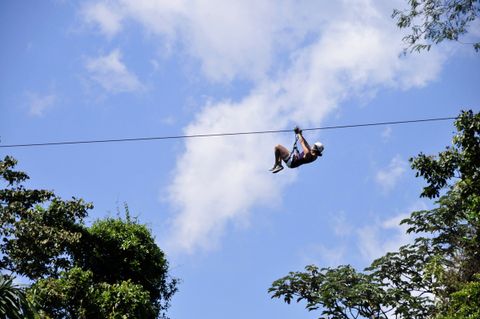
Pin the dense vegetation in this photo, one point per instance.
(112, 269)
(436, 276)
(433, 21)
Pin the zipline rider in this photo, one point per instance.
(294, 158)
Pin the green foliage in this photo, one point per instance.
(112, 269)
(342, 292)
(35, 241)
(435, 276)
(75, 294)
(130, 248)
(405, 280)
(124, 300)
(464, 303)
(454, 225)
(446, 255)
(68, 296)
(13, 301)
(433, 21)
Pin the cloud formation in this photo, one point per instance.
(111, 73)
(39, 104)
(303, 62)
(387, 178)
(372, 239)
(229, 39)
(382, 236)
(105, 17)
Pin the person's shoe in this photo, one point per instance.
(275, 166)
(277, 169)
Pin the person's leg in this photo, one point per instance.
(280, 153)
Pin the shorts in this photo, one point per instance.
(289, 160)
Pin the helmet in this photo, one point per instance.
(318, 147)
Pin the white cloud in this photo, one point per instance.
(244, 39)
(218, 180)
(109, 72)
(39, 104)
(155, 64)
(335, 253)
(212, 193)
(168, 120)
(340, 225)
(380, 237)
(106, 18)
(387, 133)
(229, 176)
(330, 256)
(372, 240)
(323, 54)
(229, 39)
(387, 178)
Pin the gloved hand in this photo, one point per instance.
(297, 130)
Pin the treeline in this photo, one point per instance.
(112, 269)
(436, 276)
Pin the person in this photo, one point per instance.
(294, 159)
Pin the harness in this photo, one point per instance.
(294, 149)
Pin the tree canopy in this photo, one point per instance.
(112, 269)
(13, 300)
(433, 21)
(435, 276)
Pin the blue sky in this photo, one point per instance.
(121, 69)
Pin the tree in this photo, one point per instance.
(13, 301)
(112, 269)
(437, 274)
(341, 292)
(433, 21)
(464, 303)
(76, 294)
(130, 247)
(37, 229)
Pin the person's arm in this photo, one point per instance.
(305, 147)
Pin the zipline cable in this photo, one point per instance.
(134, 139)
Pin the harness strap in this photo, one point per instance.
(294, 149)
